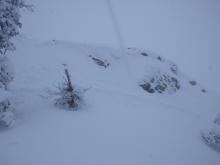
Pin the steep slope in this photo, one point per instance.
(118, 122)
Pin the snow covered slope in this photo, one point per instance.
(182, 30)
(118, 123)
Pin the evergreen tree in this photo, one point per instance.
(68, 97)
(9, 23)
(9, 27)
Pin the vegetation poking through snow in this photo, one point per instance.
(217, 120)
(144, 54)
(193, 83)
(6, 74)
(68, 97)
(174, 69)
(6, 114)
(9, 23)
(212, 139)
(103, 63)
(161, 83)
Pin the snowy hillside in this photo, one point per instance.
(119, 123)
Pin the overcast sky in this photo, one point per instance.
(185, 31)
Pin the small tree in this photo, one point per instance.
(68, 97)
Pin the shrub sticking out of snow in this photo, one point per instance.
(217, 120)
(174, 69)
(6, 114)
(161, 83)
(103, 63)
(68, 97)
(193, 83)
(212, 139)
(144, 54)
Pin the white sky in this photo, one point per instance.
(185, 31)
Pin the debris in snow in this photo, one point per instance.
(103, 63)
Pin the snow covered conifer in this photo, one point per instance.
(9, 27)
(9, 23)
(68, 98)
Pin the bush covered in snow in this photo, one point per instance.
(212, 139)
(9, 23)
(6, 73)
(68, 97)
(161, 83)
(6, 114)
